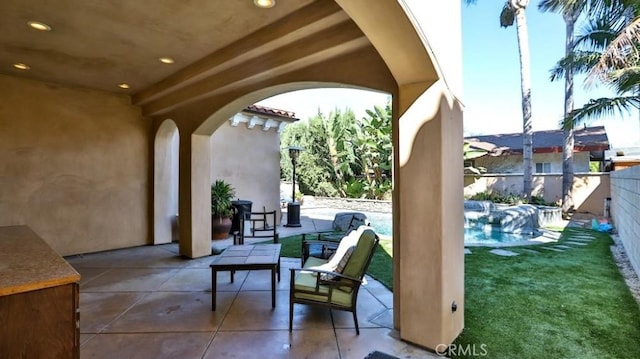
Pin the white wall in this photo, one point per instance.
(625, 210)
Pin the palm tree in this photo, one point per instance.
(514, 11)
(608, 52)
(571, 10)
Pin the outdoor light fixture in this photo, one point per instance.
(21, 66)
(293, 207)
(166, 60)
(265, 4)
(37, 25)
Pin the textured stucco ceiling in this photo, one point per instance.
(99, 44)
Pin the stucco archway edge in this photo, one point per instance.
(165, 187)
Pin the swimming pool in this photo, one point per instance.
(474, 236)
(382, 224)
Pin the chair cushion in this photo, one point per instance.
(356, 265)
(348, 241)
(314, 262)
(341, 265)
(307, 281)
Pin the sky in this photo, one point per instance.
(491, 81)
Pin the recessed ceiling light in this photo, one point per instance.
(265, 4)
(39, 25)
(124, 86)
(166, 60)
(21, 66)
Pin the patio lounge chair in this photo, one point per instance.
(334, 282)
(326, 242)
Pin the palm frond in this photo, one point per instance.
(578, 61)
(562, 6)
(625, 80)
(596, 34)
(619, 51)
(551, 6)
(602, 8)
(600, 107)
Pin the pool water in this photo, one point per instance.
(478, 236)
(381, 222)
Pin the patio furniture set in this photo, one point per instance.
(330, 274)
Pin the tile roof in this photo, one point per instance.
(586, 139)
(263, 110)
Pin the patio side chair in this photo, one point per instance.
(261, 225)
(334, 282)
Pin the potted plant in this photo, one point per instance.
(221, 196)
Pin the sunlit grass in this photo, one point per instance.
(570, 304)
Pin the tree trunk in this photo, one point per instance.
(570, 18)
(525, 81)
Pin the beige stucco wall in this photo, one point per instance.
(73, 166)
(589, 189)
(513, 163)
(625, 210)
(249, 159)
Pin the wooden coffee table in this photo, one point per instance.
(247, 257)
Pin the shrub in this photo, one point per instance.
(511, 199)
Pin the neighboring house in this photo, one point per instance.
(621, 158)
(246, 153)
(505, 150)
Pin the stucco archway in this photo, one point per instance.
(165, 182)
(427, 136)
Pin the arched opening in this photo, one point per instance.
(427, 134)
(204, 152)
(165, 183)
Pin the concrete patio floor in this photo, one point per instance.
(149, 302)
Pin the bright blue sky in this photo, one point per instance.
(491, 80)
(492, 94)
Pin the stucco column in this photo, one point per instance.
(165, 182)
(430, 203)
(195, 196)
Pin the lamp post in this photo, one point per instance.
(293, 207)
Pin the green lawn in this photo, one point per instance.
(571, 304)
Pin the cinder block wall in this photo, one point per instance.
(625, 211)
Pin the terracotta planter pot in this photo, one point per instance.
(220, 227)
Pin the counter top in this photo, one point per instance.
(28, 263)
